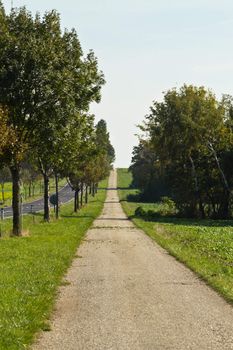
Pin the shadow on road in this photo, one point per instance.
(77, 217)
(112, 219)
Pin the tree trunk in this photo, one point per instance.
(30, 189)
(3, 194)
(57, 196)
(86, 195)
(90, 190)
(213, 206)
(78, 202)
(46, 198)
(224, 211)
(197, 190)
(93, 190)
(223, 177)
(81, 197)
(75, 201)
(25, 192)
(96, 188)
(16, 201)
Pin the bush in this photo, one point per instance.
(168, 206)
(140, 212)
(150, 214)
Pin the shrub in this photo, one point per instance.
(140, 212)
(168, 206)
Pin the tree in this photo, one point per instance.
(189, 136)
(80, 85)
(147, 172)
(44, 79)
(104, 146)
(88, 161)
(80, 148)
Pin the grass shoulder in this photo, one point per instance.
(32, 268)
(205, 246)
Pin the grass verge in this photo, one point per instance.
(205, 246)
(31, 269)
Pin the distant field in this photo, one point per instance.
(206, 246)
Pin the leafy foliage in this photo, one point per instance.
(46, 87)
(187, 152)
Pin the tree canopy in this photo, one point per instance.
(46, 87)
(187, 152)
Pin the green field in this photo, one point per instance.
(32, 268)
(7, 194)
(206, 246)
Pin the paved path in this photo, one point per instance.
(65, 195)
(126, 292)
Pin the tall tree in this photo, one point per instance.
(189, 136)
(44, 79)
(103, 143)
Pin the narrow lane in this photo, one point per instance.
(126, 292)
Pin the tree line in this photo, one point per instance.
(186, 152)
(46, 87)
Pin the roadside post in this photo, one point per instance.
(21, 206)
(32, 212)
(53, 201)
(2, 218)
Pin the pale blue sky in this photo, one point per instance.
(145, 47)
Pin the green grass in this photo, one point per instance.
(124, 179)
(31, 269)
(205, 246)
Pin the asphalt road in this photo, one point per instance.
(127, 293)
(65, 195)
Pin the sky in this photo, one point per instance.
(145, 47)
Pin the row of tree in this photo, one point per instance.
(46, 87)
(186, 152)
